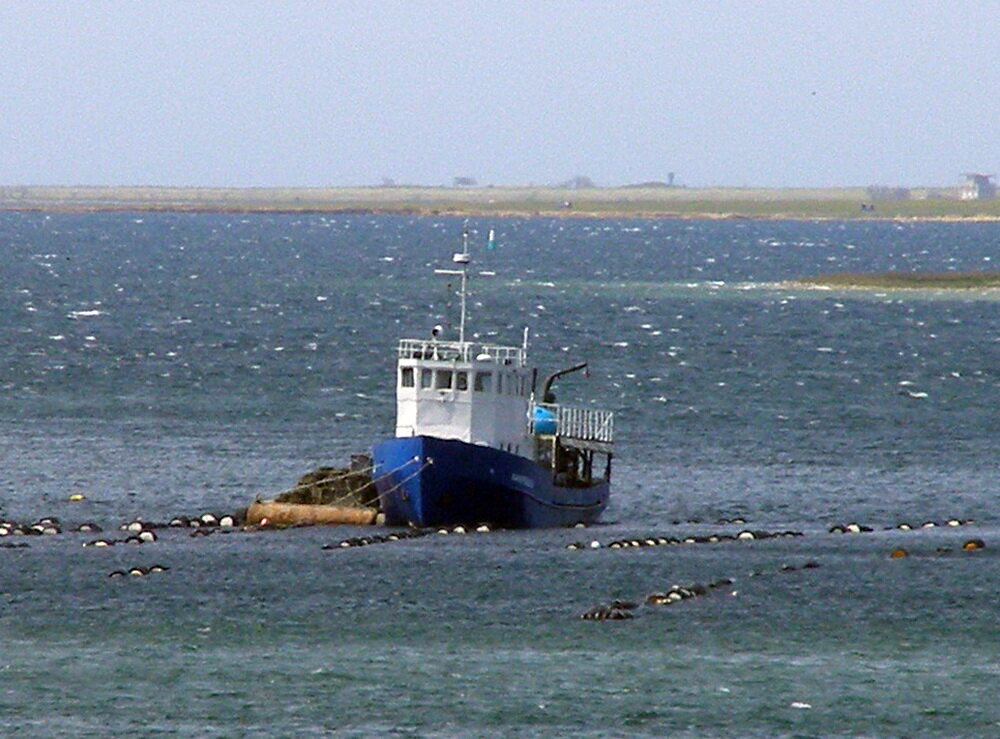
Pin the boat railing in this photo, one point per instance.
(462, 351)
(585, 424)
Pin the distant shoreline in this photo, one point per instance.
(928, 204)
(985, 280)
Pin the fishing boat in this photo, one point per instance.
(478, 443)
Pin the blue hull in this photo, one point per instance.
(426, 481)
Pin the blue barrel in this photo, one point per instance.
(543, 420)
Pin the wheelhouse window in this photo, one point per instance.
(483, 382)
(442, 380)
(426, 378)
(462, 381)
(406, 377)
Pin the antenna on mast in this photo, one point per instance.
(462, 259)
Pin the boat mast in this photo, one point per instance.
(463, 259)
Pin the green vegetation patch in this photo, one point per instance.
(894, 280)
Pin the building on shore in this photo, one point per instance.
(979, 186)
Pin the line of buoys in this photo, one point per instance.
(209, 520)
(138, 571)
(594, 544)
(607, 613)
(850, 528)
(101, 543)
(51, 525)
(228, 524)
(362, 541)
(624, 609)
(618, 609)
(755, 535)
(677, 593)
(145, 536)
(856, 528)
(951, 522)
(658, 540)
(138, 524)
(46, 526)
(969, 545)
(483, 528)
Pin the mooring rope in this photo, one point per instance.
(405, 480)
(346, 496)
(333, 478)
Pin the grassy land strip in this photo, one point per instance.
(896, 280)
(790, 203)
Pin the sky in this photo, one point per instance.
(296, 93)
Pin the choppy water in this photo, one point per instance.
(165, 364)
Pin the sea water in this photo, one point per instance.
(165, 364)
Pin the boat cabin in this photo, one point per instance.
(476, 393)
(481, 394)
